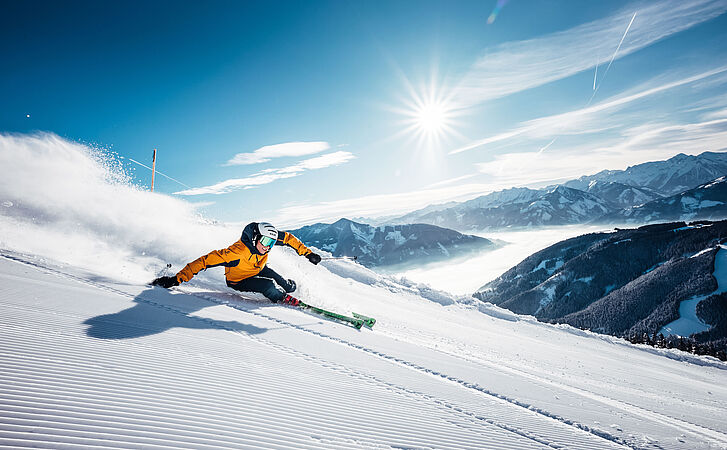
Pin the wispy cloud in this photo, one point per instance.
(514, 67)
(582, 121)
(319, 162)
(693, 137)
(635, 145)
(716, 114)
(634, 128)
(292, 216)
(270, 175)
(639, 144)
(451, 180)
(268, 152)
(535, 168)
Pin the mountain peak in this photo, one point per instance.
(343, 221)
(680, 157)
(390, 244)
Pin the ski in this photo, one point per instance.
(358, 323)
(368, 321)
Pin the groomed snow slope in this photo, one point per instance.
(91, 356)
(86, 361)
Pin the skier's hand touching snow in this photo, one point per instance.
(313, 257)
(166, 282)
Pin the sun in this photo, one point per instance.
(431, 118)
(429, 115)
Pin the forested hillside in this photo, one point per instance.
(629, 282)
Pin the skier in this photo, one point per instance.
(244, 263)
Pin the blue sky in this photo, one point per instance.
(296, 112)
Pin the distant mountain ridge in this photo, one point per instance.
(705, 202)
(622, 283)
(669, 177)
(390, 244)
(559, 206)
(601, 197)
(619, 195)
(492, 200)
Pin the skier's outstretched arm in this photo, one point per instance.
(292, 241)
(214, 258)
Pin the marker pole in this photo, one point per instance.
(153, 168)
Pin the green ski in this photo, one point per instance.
(368, 321)
(356, 322)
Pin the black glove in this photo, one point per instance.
(313, 257)
(166, 282)
(291, 286)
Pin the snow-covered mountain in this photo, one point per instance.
(91, 356)
(623, 283)
(521, 208)
(705, 202)
(390, 244)
(675, 175)
(609, 191)
(619, 195)
(492, 200)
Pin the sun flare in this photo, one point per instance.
(429, 115)
(431, 118)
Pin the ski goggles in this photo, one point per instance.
(267, 241)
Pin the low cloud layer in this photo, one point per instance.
(373, 205)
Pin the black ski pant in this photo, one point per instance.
(264, 283)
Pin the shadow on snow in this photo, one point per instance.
(155, 311)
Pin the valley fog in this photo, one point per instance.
(463, 276)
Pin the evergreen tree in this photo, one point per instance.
(682, 345)
(645, 339)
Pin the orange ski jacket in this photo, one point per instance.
(241, 259)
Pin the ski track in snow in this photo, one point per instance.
(425, 370)
(451, 408)
(678, 424)
(441, 403)
(472, 421)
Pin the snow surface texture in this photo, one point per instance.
(90, 356)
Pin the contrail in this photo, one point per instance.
(614, 54)
(603, 77)
(621, 42)
(165, 176)
(546, 147)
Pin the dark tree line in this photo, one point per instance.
(717, 349)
